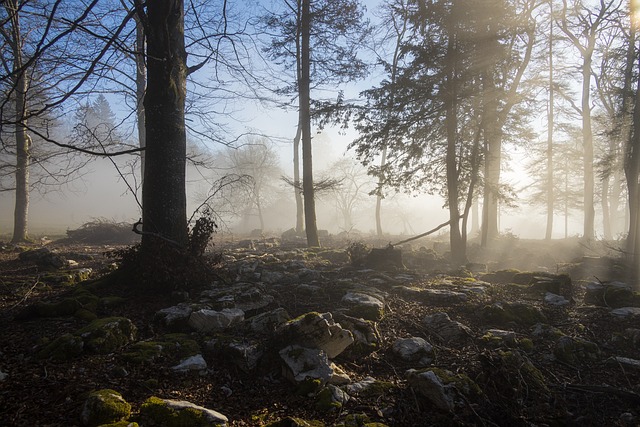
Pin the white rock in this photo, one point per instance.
(210, 320)
(355, 298)
(430, 386)
(414, 349)
(306, 363)
(626, 312)
(193, 363)
(314, 330)
(555, 300)
(211, 416)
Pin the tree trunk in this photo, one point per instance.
(163, 194)
(296, 180)
(141, 86)
(632, 172)
(304, 87)
(23, 141)
(550, 125)
(604, 200)
(493, 155)
(383, 161)
(587, 146)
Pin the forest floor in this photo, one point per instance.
(598, 387)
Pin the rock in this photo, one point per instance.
(388, 258)
(574, 350)
(555, 300)
(173, 347)
(365, 335)
(624, 312)
(177, 413)
(546, 331)
(315, 330)
(413, 349)
(302, 364)
(268, 322)
(505, 313)
(104, 406)
(625, 362)
(364, 305)
(360, 386)
(3, 376)
(500, 338)
(513, 373)
(331, 398)
(612, 294)
(63, 348)
(339, 377)
(193, 363)
(244, 355)
(271, 277)
(108, 334)
(369, 387)
(210, 320)
(443, 388)
(445, 328)
(176, 317)
(442, 296)
(43, 257)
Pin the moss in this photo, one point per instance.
(378, 388)
(157, 412)
(120, 424)
(103, 407)
(66, 307)
(308, 386)
(84, 314)
(295, 422)
(108, 334)
(63, 348)
(325, 401)
(462, 382)
(367, 312)
(522, 314)
(359, 420)
(573, 350)
(143, 352)
(172, 346)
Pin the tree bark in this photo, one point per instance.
(141, 86)
(379, 197)
(550, 125)
(587, 146)
(164, 194)
(23, 141)
(296, 180)
(305, 122)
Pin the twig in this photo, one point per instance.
(423, 234)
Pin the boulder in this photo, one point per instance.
(503, 313)
(364, 305)
(331, 398)
(108, 334)
(444, 389)
(612, 294)
(315, 330)
(625, 312)
(178, 413)
(210, 320)
(575, 350)
(445, 328)
(413, 349)
(268, 322)
(176, 317)
(555, 300)
(104, 406)
(302, 364)
(192, 363)
(44, 258)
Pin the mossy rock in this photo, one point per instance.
(330, 399)
(63, 348)
(308, 387)
(377, 389)
(366, 312)
(104, 407)
(171, 413)
(461, 381)
(66, 307)
(359, 420)
(500, 276)
(86, 315)
(172, 346)
(295, 422)
(109, 302)
(504, 313)
(120, 424)
(512, 373)
(575, 350)
(105, 335)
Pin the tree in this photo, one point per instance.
(319, 40)
(581, 25)
(352, 188)
(257, 161)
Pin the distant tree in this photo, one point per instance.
(318, 40)
(257, 163)
(354, 186)
(95, 126)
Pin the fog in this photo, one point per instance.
(102, 194)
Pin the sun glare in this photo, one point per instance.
(635, 12)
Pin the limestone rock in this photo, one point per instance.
(624, 312)
(574, 350)
(303, 363)
(440, 392)
(268, 322)
(174, 413)
(210, 320)
(364, 305)
(175, 317)
(414, 349)
(104, 406)
(445, 328)
(108, 334)
(612, 294)
(331, 398)
(505, 313)
(43, 257)
(193, 363)
(315, 330)
(555, 300)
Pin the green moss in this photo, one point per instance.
(295, 422)
(63, 348)
(172, 346)
(103, 407)
(120, 424)
(84, 314)
(66, 307)
(108, 334)
(378, 388)
(367, 312)
(462, 382)
(359, 420)
(325, 401)
(157, 412)
(308, 386)
(522, 314)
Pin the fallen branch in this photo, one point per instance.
(423, 234)
(604, 389)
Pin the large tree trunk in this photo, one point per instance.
(163, 193)
(296, 180)
(604, 202)
(23, 141)
(305, 122)
(550, 125)
(632, 172)
(493, 159)
(587, 146)
(379, 196)
(141, 86)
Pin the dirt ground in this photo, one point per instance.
(598, 392)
